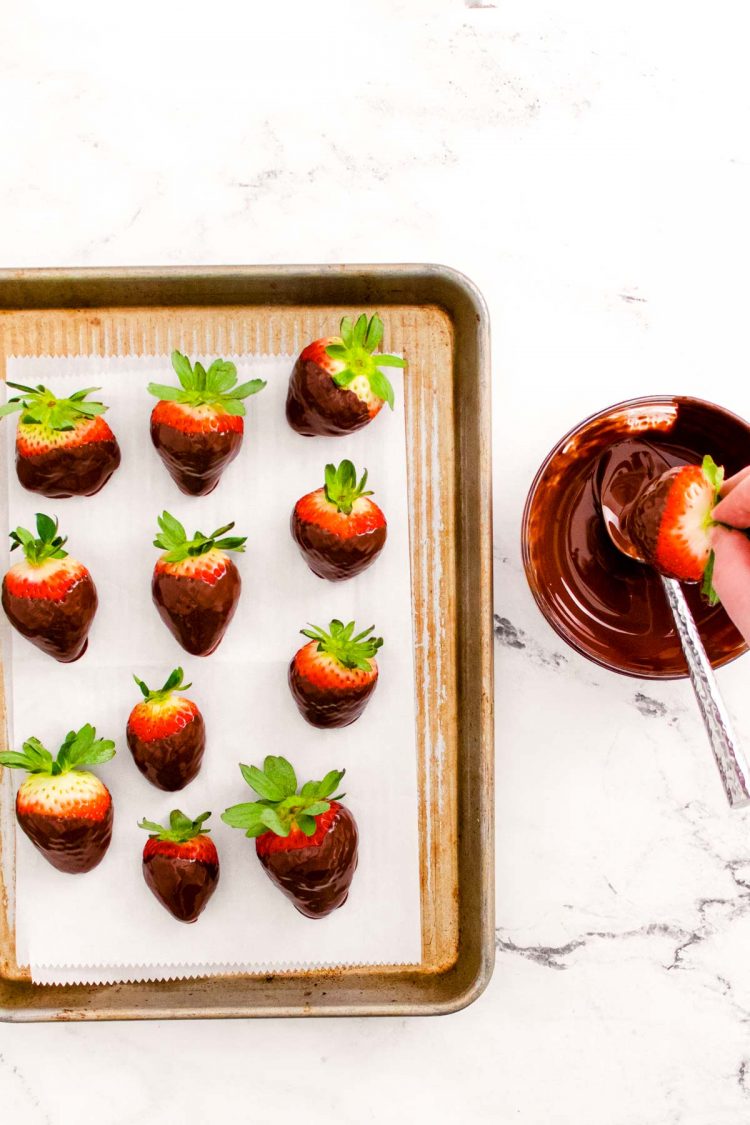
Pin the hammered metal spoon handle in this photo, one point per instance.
(733, 767)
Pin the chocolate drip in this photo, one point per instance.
(59, 628)
(315, 406)
(170, 763)
(80, 471)
(317, 879)
(197, 613)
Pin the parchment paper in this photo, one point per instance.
(106, 925)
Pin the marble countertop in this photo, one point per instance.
(587, 167)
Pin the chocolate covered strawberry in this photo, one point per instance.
(338, 529)
(197, 427)
(49, 597)
(670, 522)
(306, 840)
(166, 734)
(336, 385)
(181, 864)
(333, 676)
(196, 586)
(63, 445)
(65, 810)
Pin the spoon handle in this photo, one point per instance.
(733, 767)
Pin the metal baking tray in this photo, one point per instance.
(438, 320)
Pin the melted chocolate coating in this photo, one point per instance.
(80, 471)
(333, 557)
(170, 763)
(183, 886)
(71, 844)
(644, 518)
(328, 707)
(317, 879)
(315, 406)
(195, 612)
(59, 628)
(609, 607)
(195, 461)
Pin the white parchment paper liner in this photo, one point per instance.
(106, 926)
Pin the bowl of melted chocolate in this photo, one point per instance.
(606, 606)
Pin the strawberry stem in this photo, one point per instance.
(46, 545)
(181, 827)
(341, 486)
(353, 651)
(355, 351)
(174, 683)
(173, 539)
(215, 387)
(282, 808)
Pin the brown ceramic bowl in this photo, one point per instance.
(604, 605)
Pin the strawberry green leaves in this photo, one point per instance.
(181, 827)
(341, 486)
(174, 682)
(172, 538)
(340, 642)
(80, 748)
(39, 407)
(215, 387)
(358, 342)
(715, 475)
(46, 545)
(281, 808)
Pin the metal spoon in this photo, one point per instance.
(730, 759)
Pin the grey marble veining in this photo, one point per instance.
(588, 168)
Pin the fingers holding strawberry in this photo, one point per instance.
(166, 734)
(333, 676)
(64, 447)
(49, 597)
(181, 864)
(195, 585)
(197, 427)
(306, 840)
(338, 529)
(337, 385)
(64, 809)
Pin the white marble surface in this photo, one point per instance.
(587, 166)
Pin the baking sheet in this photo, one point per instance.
(111, 927)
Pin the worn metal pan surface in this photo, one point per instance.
(439, 321)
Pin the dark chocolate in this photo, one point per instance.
(315, 406)
(328, 707)
(59, 628)
(71, 844)
(608, 606)
(317, 879)
(195, 461)
(333, 556)
(80, 471)
(197, 613)
(183, 886)
(170, 763)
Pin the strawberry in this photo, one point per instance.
(339, 531)
(197, 427)
(50, 598)
(670, 521)
(334, 675)
(306, 840)
(63, 445)
(196, 586)
(65, 810)
(181, 864)
(336, 386)
(166, 734)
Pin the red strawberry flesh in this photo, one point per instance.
(670, 523)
